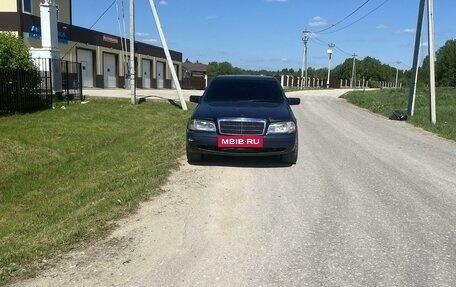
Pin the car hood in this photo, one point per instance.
(262, 110)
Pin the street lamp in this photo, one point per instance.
(330, 51)
(305, 39)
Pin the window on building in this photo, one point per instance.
(27, 6)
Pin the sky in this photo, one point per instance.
(267, 34)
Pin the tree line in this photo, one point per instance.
(368, 69)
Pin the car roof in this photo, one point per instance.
(245, 77)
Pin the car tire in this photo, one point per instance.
(194, 156)
(290, 158)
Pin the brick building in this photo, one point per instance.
(101, 54)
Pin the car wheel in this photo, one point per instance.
(194, 156)
(290, 158)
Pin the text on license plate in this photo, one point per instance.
(240, 141)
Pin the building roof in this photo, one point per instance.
(194, 67)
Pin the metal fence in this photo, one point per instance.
(31, 90)
(72, 80)
(66, 77)
(24, 91)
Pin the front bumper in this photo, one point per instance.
(206, 143)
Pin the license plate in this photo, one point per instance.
(240, 141)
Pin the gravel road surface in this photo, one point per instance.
(371, 202)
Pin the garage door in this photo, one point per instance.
(160, 75)
(146, 74)
(85, 57)
(109, 70)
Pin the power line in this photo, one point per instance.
(99, 18)
(342, 51)
(351, 24)
(319, 41)
(323, 43)
(345, 18)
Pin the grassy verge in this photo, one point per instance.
(386, 101)
(66, 174)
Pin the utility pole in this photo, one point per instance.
(416, 54)
(305, 39)
(303, 60)
(132, 53)
(168, 56)
(330, 51)
(414, 79)
(397, 74)
(432, 112)
(352, 82)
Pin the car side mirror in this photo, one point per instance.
(294, 101)
(195, 99)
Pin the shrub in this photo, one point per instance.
(19, 78)
(14, 54)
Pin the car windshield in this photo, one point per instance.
(246, 90)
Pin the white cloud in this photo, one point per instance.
(211, 17)
(282, 1)
(142, 34)
(163, 2)
(408, 30)
(150, 40)
(381, 26)
(317, 21)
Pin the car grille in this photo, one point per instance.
(242, 126)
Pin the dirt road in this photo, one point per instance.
(371, 202)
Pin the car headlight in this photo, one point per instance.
(201, 125)
(282, 128)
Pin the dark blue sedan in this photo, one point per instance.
(243, 115)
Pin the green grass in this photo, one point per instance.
(67, 174)
(385, 101)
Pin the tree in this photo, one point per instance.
(321, 73)
(423, 73)
(224, 68)
(287, 71)
(375, 70)
(13, 53)
(445, 67)
(344, 70)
